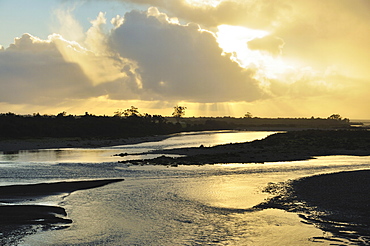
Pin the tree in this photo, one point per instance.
(133, 111)
(62, 114)
(158, 119)
(118, 113)
(335, 117)
(179, 111)
(248, 115)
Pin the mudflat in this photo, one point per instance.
(18, 220)
(338, 203)
(289, 146)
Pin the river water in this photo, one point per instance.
(159, 205)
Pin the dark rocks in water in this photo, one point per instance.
(14, 192)
(121, 154)
(17, 221)
(32, 214)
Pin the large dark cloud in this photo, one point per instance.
(180, 61)
(34, 71)
(147, 57)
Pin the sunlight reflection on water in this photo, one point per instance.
(186, 205)
(158, 205)
(106, 154)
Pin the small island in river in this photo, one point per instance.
(285, 146)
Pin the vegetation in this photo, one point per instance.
(179, 111)
(131, 123)
(251, 123)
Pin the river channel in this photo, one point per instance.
(159, 205)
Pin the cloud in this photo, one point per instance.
(326, 33)
(271, 44)
(69, 27)
(258, 14)
(148, 56)
(335, 29)
(34, 71)
(37, 71)
(181, 62)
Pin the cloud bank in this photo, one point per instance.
(149, 56)
(146, 56)
(181, 62)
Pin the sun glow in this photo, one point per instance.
(204, 3)
(234, 39)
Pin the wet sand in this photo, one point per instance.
(290, 146)
(16, 221)
(338, 203)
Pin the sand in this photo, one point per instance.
(16, 221)
(289, 146)
(338, 203)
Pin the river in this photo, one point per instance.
(159, 205)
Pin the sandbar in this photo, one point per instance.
(18, 220)
(289, 146)
(338, 203)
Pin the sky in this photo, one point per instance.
(272, 58)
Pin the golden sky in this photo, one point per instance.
(223, 57)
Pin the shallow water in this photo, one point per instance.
(185, 205)
(106, 154)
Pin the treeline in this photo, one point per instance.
(276, 123)
(85, 126)
(131, 123)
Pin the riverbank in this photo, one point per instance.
(18, 220)
(289, 146)
(13, 145)
(18, 144)
(338, 203)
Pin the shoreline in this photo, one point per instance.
(338, 203)
(289, 146)
(14, 145)
(19, 220)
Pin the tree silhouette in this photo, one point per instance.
(118, 113)
(179, 111)
(335, 117)
(133, 111)
(248, 115)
